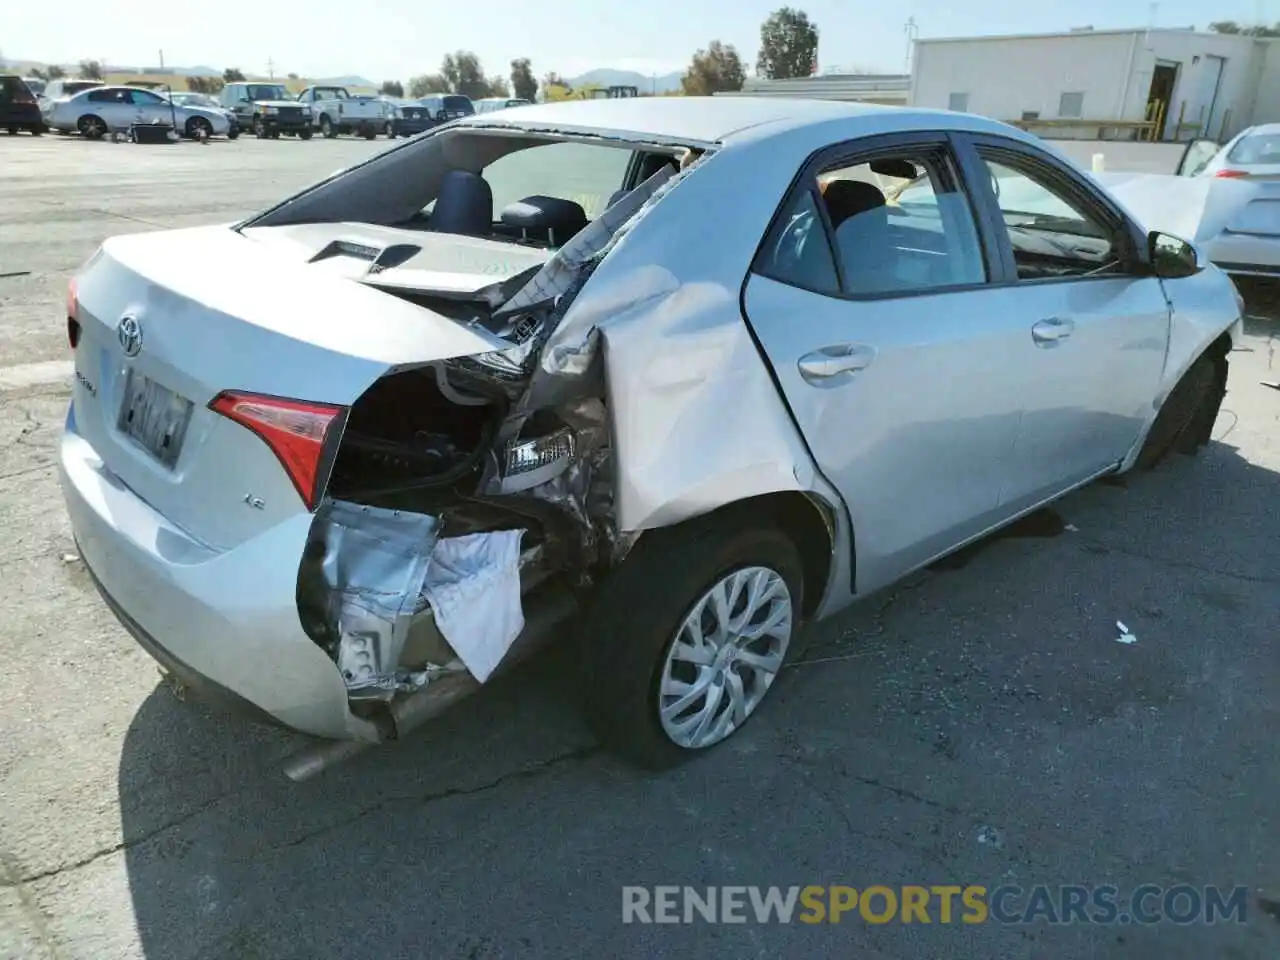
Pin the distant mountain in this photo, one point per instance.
(604, 77)
(343, 82)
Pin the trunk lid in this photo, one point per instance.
(170, 320)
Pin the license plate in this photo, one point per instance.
(154, 417)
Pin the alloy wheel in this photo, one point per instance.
(724, 657)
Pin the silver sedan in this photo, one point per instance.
(98, 111)
(696, 369)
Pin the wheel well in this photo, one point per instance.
(1220, 347)
(807, 520)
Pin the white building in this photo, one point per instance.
(889, 88)
(1089, 83)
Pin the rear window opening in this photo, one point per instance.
(1257, 148)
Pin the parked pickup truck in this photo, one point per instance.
(268, 109)
(335, 111)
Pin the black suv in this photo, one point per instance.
(18, 107)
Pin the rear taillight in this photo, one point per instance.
(1231, 173)
(73, 315)
(298, 434)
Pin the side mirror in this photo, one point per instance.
(1172, 257)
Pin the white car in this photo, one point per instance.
(335, 111)
(196, 102)
(1225, 198)
(678, 361)
(101, 110)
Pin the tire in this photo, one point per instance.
(635, 619)
(13, 131)
(1185, 421)
(259, 128)
(195, 125)
(91, 127)
(305, 134)
(370, 133)
(233, 133)
(390, 131)
(37, 131)
(275, 134)
(327, 128)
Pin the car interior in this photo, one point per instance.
(465, 206)
(898, 224)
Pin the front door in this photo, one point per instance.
(151, 108)
(894, 352)
(1098, 322)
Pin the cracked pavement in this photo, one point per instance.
(977, 724)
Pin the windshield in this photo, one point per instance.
(267, 91)
(1259, 148)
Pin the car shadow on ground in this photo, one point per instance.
(500, 830)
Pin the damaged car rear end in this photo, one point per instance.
(347, 508)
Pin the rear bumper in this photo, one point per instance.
(411, 128)
(224, 622)
(26, 116)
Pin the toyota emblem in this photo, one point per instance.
(130, 334)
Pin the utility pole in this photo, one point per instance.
(162, 61)
(912, 32)
(271, 68)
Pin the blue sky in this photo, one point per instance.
(392, 39)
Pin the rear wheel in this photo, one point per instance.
(92, 127)
(390, 131)
(259, 128)
(686, 637)
(326, 128)
(305, 134)
(1185, 421)
(370, 133)
(13, 131)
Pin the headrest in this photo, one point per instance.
(465, 205)
(847, 198)
(553, 217)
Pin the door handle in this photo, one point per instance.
(833, 365)
(1050, 331)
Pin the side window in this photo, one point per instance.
(798, 251)
(902, 225)
(106, 96)
(1052, 235)
(144, 98)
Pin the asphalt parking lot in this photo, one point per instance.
(980, 724)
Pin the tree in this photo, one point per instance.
(54, 72)
(426, 84)
(205, 84)
(1257, 30)
(232, 75)
(714, 69)
(788, 45)
(392, 88)
(523, 83)
(465, 75)
(498, 87)
(91, 69)
(293, 76)
(39, 74)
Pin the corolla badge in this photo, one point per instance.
(130, 334)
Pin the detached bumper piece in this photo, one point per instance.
(404, 606)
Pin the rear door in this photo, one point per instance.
(1095, 315)
(113, 105)
(901, 358)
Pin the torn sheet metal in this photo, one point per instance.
(375, 562)
(473, 586)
